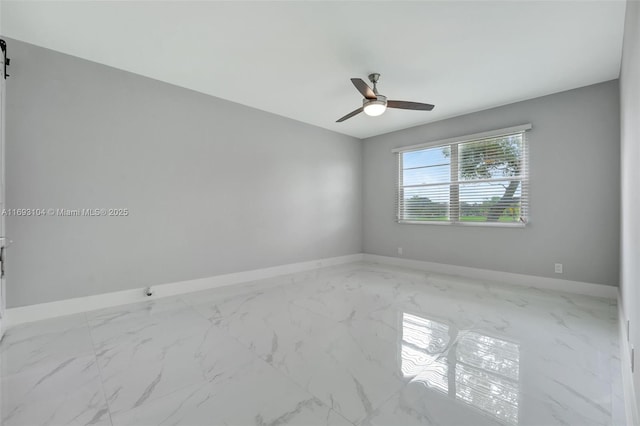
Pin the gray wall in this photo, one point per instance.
(630, 147)
(574, 191)
(215, 187)
(212, 186)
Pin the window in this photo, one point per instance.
(480, 179)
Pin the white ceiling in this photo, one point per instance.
(295, 58)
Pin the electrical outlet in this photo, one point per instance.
(558, 268)
(400, 251)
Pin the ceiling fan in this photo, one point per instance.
(375, 104)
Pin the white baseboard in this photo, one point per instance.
(630, 405)
(25, 314)
(577, 287)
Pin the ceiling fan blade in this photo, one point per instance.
(351, 114)
(409, 105)
(363, 88)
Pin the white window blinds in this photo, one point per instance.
(477, 179)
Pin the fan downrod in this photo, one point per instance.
(373, 78)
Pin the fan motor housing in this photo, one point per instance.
(382, 100)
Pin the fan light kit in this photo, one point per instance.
(376, 107)
(375, 104)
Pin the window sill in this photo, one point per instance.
(481, 224)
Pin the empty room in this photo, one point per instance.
(307, 213)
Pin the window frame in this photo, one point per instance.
(453, 143)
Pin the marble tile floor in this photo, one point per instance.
(359, 344)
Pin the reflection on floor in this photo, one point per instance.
(474, 368)
(359, 344)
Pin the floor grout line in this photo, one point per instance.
(100, 374)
